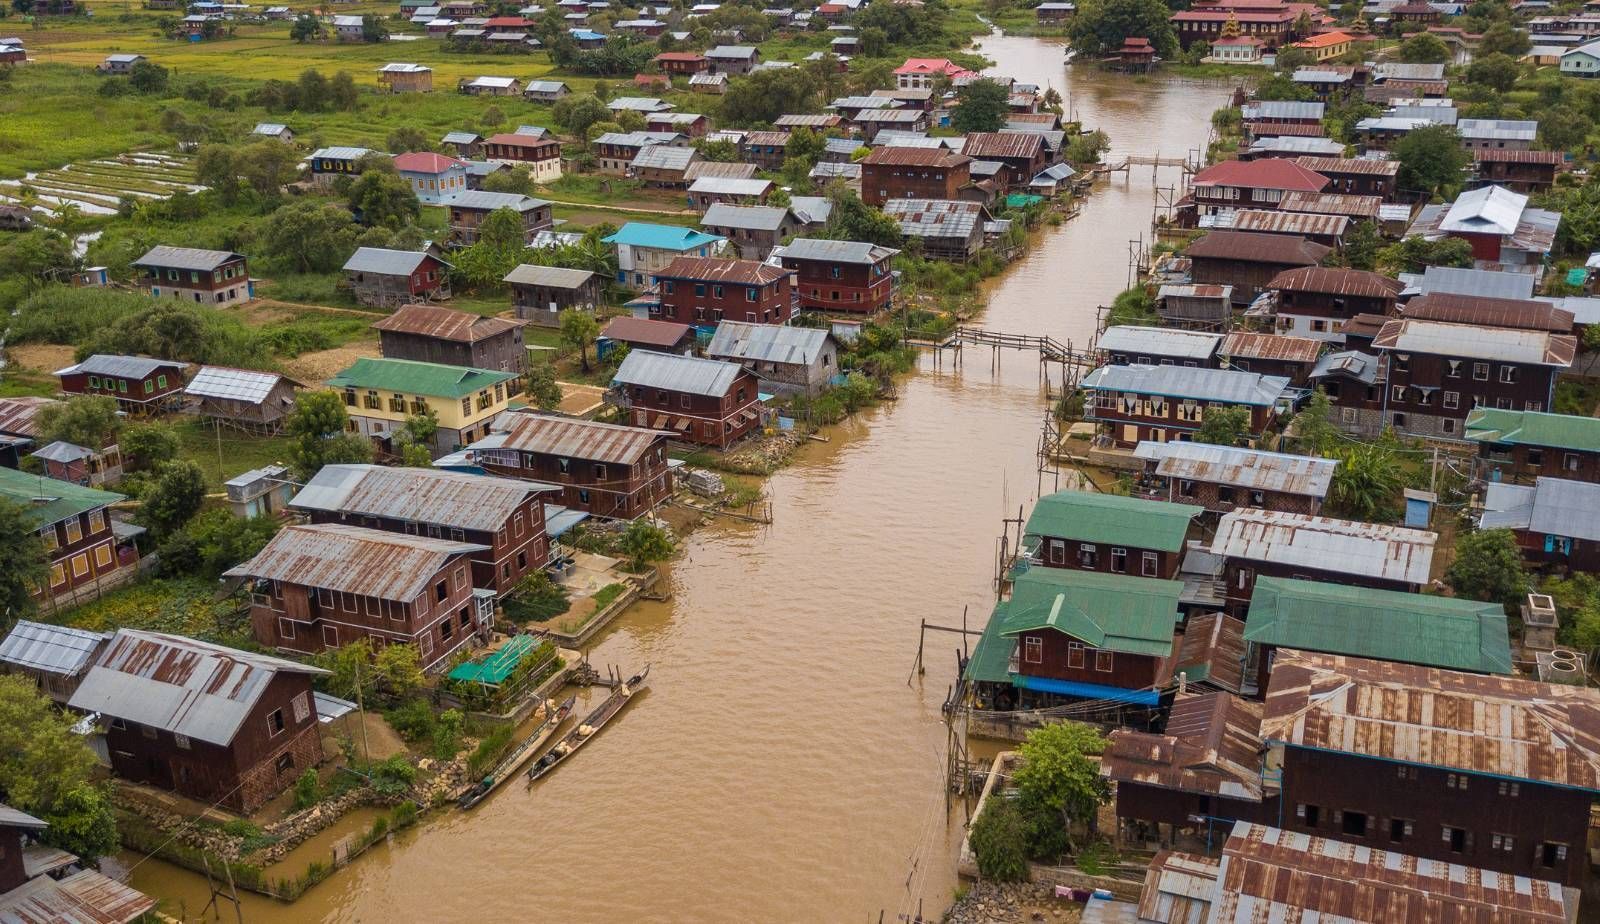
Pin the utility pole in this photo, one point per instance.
(361, 709)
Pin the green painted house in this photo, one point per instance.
(1108, 533)
(1384, 625)
(1067, 635)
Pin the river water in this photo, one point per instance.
(781, 768)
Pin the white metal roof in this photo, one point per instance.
(1228, 386)
(1553, 506)
(1470, 341)
(1486, 210)
(1159, 341)
(236, 384)
(768, 343)
(677, 373)
(1392, 553)
(54, 649)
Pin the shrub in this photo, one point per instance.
(413, 721)
(999, 840)
(306, 789)
(537, 598)
(447, 734)
(489, 751)
(393, 777)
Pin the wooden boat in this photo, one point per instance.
(590, 726)
(519, 755)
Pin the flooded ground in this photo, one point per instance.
(781, 768)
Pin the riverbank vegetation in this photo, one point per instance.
(1048, 810)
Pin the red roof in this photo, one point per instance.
(1325, 40)
(711, 269)
(513, 22)
(1270, 173)
(646, 331)
(679, 56)
(425, 162)
(932, 66)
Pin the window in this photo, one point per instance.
(1456, 838)
(1569, 461)
(1452, 368)
(1397, 393)
(285, 628)
(1032, 649)
(1075, 654)
(102, 556)
(284, 763)
(275, 724)
(564, 465)
(1400, 829)
(1508, 375)
(1452, 399)
(1308, 814)
(685, 402)
(751, 294)
(1119, 561)
(97, 520)
(466, 407)
(440, 591)
(1552, 853)
(1088, 556)
(181, 741)
(1354, 824)
(1103, 661)
(80, 565)
(1058, 552)
(1402, 772)
(1150, 565)
(58, 575)
(1457, 781)
(445, 630)
(94, 381)
(325, 597)
(1502, 842)
(149, 731)
(1480, 372)
(74, 531)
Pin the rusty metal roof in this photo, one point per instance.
(570, 437)
(1329, 280)
(1255, 247)
(86, 897)
(1268, 874)
(181, 685)
(1251, 469)
(1178, 888)
(712, 269)
(1279, 347)
(444, 323)
(1332, 204)
(353, 560)
(915, 157)
(994, 145)
(1504, 726)
(1522, 314)
(419, 495)
(1211, 746)
(1475, 341)
(17, 414)
(1211, 652)
(1391, 553)
(1303, 223)
(1364, 166)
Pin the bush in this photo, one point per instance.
(306, 789)
(393, 777)
(447, 734)
(413, 721)
(489, 751)
(536, 598)
(999, 840)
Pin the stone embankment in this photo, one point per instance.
(1012, 903)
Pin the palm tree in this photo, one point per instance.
(1366, 485)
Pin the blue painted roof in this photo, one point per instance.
(661, 237)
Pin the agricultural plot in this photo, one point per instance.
(95, 186)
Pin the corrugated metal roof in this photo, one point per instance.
(1255, 247)
(1486, 210)
(671, 372)
(701, 168)
(555, 277)
(235, 384)
(1498, 129)
(1550, 506)
(1279, 347)
(1111, 519)
(384, 262)
(1412, 628)
(1252, 469)
(1361, 366)
(1522, 314)
(444, 323)
(729, 186)
(638, 104)
(1302, 223)
(739, 341)
(484, 200)
(46, 500)
(1476, 282)
(1505, 726)
(85, 897)
(1271, 875)
(571, 438)
(805, 248)
(1392, 70)
(1292, 144)
(1228, 386)
(1373, 550)
(418, 378)
(663, 157)
(1178, 888)
(1323, 203)
(752, 217)
(62, 451)
(1001, 145)
(1365, 166)
(934, 217)
(353, 560)
(462, 138)
(1158, 341)
(55, 649)
(1533, 428)
(17, 414)
(1471, 341)
(185, 258)
(648, 332)
(178, 684)
(419, 495)
(1211, 651)
(1282, 111)
(1205, 290)
(127, 367)
(1134, 615)
(1211, 746)
(714, 269)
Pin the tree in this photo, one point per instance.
(317, 427)
(1224, 426)
(806, 146)
(148, 77)
(543, 390)
(373, 29)
(342, 92)
(1100, 26)
(1281, 87)
(1057, 775)
(1503, 38)
(399, 670)
(981, 106)
(502, 230)
(1431, 158)
(1361, 245)
(312, 90)
(1415, 254)
(577, 113)
(90, 421)
(999, 839)
(645, 543)
(1498, 72)
(579, 329)
(45, 769)
(721, 151)
(1366, 486)
(174, 497)
(382, 197)
(24, 564)
(146, 446)
(492, 118)
(415, 439)
(214, 541)
(308, 237)
(1291, 59)
(1424, 48)
(1488, 566)
(408, 138)
(764, 95)
(1313, 428)
(306, 27)
(854, 220)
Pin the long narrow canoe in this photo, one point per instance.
(590, 726)
(525, 749)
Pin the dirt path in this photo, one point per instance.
(620, 208)
(263, 308)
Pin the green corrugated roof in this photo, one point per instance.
(1384, 624)
(413, 378)
(497, 666)
(48, 500)
(1534, 428)
(1083, 516)
(992, 654)
(1115, 611)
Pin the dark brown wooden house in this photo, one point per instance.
(1521, 171)
(385, 278)
(243, 399)
(1249, 261)
(503, 515)
(1092, 531)
(1553, 520)
(1222, 479)
(470, 208)
(452, 338)
(141, 385)
(1162, 403)
(705, 401)
(206, 277)
(849, 276)
(325, 585)
(1313, 301)
(913, 173)
(1292, 358)
(1254, 542)
(603, 469)
(215, 724)
(1520, 446)
(1359, 176)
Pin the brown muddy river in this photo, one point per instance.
(780, 768)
